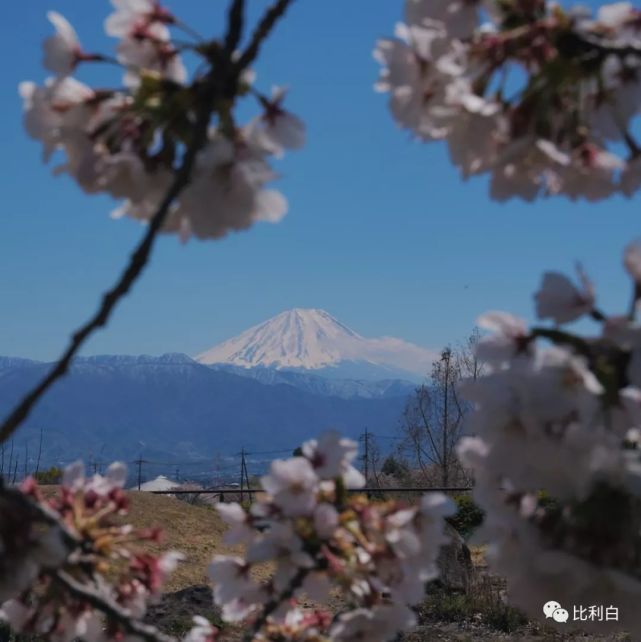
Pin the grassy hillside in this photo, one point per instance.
(196, 531)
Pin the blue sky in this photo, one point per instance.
(381, 231)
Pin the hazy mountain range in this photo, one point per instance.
(269, 388)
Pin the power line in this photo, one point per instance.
(271, 452)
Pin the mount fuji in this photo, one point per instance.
(313, 341)
(272, 386)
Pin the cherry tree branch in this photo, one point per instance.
(24, 504)
(236, 18)
(110, 608)
(19, 501)
(134, 269)
(219, 82)
(262, 31)
(271, 606)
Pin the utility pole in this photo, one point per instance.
(242, 473)
(15, 470)
(39, 455)
(140, 461)
(244, 476)
(247, 477)
(10, 461)
(365, 440)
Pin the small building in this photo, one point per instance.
(161, 483)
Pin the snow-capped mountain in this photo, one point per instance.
(312, 339)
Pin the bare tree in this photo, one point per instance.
(470, 366)
(432, 421)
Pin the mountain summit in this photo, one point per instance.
(312, 339)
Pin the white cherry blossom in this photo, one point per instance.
(62, 51)
(234, 515)
(147, 55)
(133, 17)
(560, 300)
(46, 108)
(632, 260)
(380, 623)
(277, 129)
(293, 484)
(201, 631)
(227, 191)
(417, 69)
(234, 590)
(509, 337)
(331, 455)
(450, 76)
(460, 17)
(325, 520)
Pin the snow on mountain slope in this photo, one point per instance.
(312, 339)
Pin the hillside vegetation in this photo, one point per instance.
(196, 531)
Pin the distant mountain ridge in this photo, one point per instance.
(318, 384)
(172, 407)
(313, 340)
(272, 386)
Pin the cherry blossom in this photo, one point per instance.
(380, 623)
(277, 129)
(202, 631)
(559, 299)
(62, 51)
(316, 536)
(67, 553)
(483, 76)
(234, 515)
(128, 142)
(143, 56)
(136, 17)
(234, 590)
(293, 484)
(632, 260)
(459, 17)
(231, 175)
(561, 421)
(331, 457)
(509, 338)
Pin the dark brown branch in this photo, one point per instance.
(110, 608)
(235, 21)
(216, 83)
(263, 29)
(605, 47)
(134, 269)
(274, 604)
(20, 502)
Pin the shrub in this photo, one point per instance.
(468, 515)
(49, 477)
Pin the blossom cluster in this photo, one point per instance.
(63, 554)
(317, 537)
(556, 454)
(129, 141)
(540, 98)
